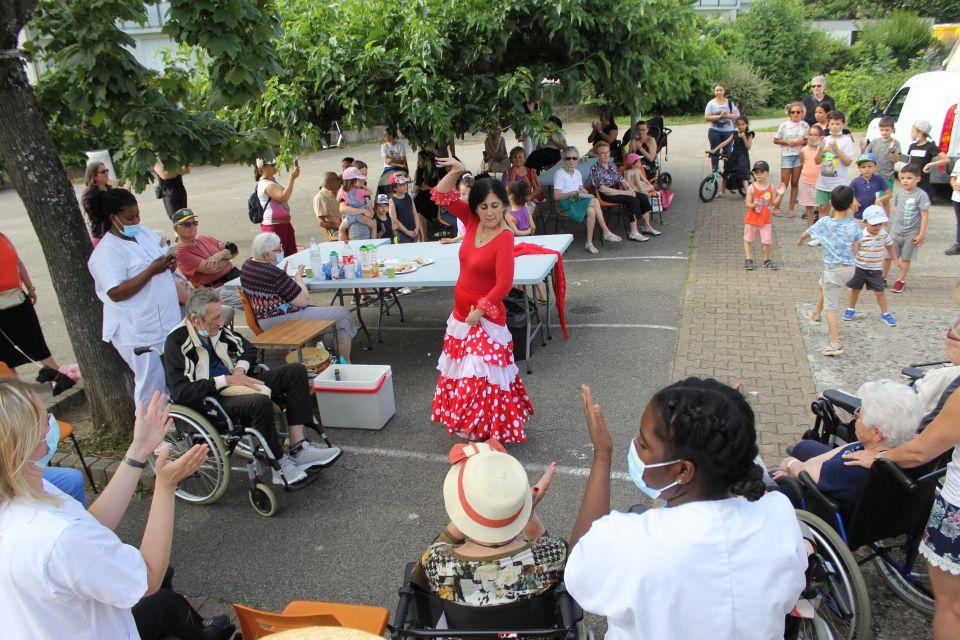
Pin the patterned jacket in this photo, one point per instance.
(187, 363)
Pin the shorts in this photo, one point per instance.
(904, 247)
(823, 197)
(791, 162)
(807, 196)
(832, 282)
(871, 278)
(941, 544)
(766, 233)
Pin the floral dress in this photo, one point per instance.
(479, 393)
(512, 576)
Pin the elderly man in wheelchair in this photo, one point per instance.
(203, 358)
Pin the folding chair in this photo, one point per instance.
(255, 624)
(66, 432)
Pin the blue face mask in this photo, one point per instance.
(636, 467)
(53, 440)
(131, 230)
(278, 258)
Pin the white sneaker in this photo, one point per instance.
(289, 471)
(612, 237)
(813, 243)
(639, 237)
(592, 249)
(653, 232)
(307, 455)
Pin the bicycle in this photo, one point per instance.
(710, 185)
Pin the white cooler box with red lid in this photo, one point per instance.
(361, 399)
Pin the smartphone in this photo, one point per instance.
(296, 163)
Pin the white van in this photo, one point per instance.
(934, 97)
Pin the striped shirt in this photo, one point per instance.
(269, 289)
(873, 249)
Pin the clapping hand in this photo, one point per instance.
(540, 489)
(596, 423)
(169, 473)
(451, 164)
(152, 424)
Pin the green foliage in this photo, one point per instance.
(939, 10)
(707, 61)
(859, 90)
(96, 95)
(439, 69)
(745, 87)
(779, 45)
(842, 9)
(901, 34)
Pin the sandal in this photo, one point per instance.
(541, 300)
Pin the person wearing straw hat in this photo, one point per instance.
(495, 549)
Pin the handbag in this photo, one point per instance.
(11, 298)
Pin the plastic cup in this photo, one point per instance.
(391, 272)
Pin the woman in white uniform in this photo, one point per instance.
(720, 559)
(133, 278)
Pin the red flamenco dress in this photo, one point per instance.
(479, 392)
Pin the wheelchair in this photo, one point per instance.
(214, 427)
(883, 528)
(552, 614)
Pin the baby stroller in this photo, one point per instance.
(661, 134)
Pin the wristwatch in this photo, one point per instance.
(136, 464)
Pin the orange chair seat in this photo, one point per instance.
(66, 430)
(298, 614)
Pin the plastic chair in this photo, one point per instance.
(256, 624)
(248, 313)
(66, 432)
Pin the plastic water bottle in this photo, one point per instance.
(358, 271)
(374, 263)
(316, 258)
(365, 259)
(334, 265)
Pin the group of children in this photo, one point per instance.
(858, 247)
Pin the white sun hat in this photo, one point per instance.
(486, 492)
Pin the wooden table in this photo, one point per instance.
(293, 334)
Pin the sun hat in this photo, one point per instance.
(631, 158)
(874, 214)
(923, 126)
(760, 165)
(352, 173)
(261, 163)
(399, 178)
(182, 215)
(383, 199)
(867, 157)
(486, 492)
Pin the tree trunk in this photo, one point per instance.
(41, 181)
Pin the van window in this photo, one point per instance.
(896, 105)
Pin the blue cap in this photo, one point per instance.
(867, 157)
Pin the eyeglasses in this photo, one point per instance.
(795, 113)
(190, 223)
(949, 334)
(99, 171)
(857, 413)
(571, 158)
(816, 85)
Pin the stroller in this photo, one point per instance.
(660, 133)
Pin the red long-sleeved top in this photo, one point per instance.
(486, 274)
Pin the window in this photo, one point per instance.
(896, 105)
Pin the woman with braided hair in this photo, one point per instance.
(720, 559)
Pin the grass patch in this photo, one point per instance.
(697, 118)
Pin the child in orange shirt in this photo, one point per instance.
(760, 203)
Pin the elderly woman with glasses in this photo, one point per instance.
(817, 98)
(941, 541)
(574, 201)
(611, 186)
(275, 297)
(791, 137)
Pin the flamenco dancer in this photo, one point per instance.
(479, 391)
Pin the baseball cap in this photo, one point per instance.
(399, 178)
(760, 165)
(867, 157)
(874, 214)
(922, 126)
(352, 173)
(631, 158)
(182, 215)
(383, 199)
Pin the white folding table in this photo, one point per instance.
(529, 271)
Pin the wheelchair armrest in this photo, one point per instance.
(914, 373)
(811, 490)
(933, 476)
(570, 611)
(842, 399)
(898, 474)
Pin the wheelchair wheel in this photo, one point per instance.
(835, 585)
(263, 500)
(709, 188)
(665, 180)
(211, 480)
(913, 584)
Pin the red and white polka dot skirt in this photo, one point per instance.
(479, 392)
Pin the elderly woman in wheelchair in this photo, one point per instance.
(205, 360)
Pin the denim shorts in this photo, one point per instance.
(941, 541)
(790, 162)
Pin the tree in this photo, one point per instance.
(438, 69)
(96, 82)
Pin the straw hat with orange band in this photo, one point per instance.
(486, 492)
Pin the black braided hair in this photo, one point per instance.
(712, 425)
(104, 204)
